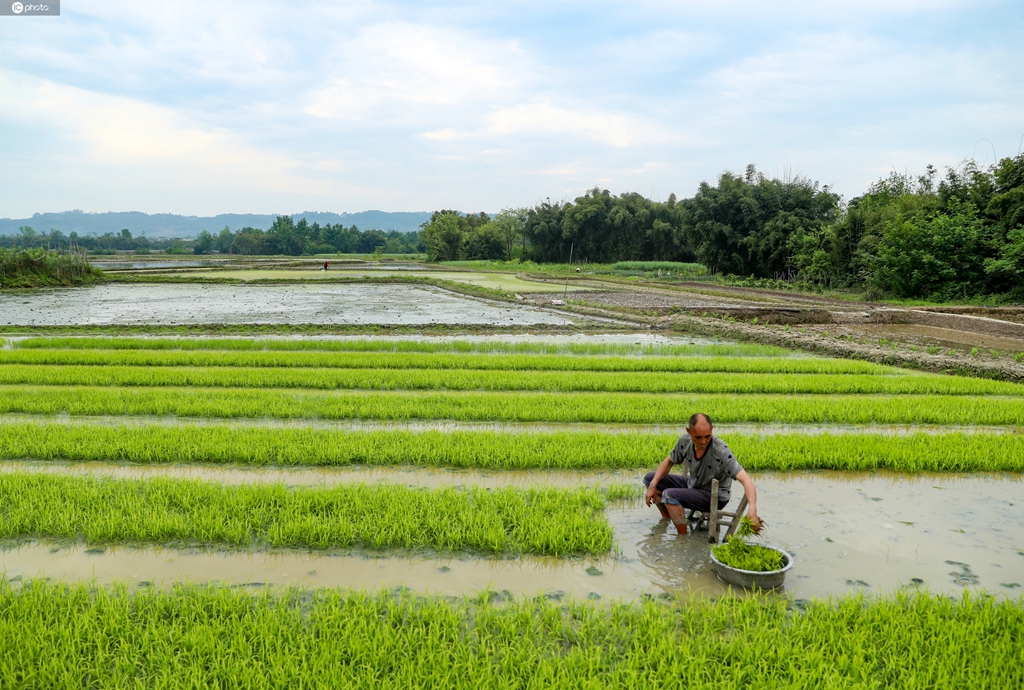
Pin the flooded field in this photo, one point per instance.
(875, 533)
(138, 265)
(181, 304)
(494, 281)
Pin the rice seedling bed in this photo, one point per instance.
(224, 444)
(60, 636)
(384, 516)
(390, 360)
(888, 531)
(421, 345)
(471, 406)
(568, 382)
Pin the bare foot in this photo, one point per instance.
(682, 527)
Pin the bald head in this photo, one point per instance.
(700, 429)
(701, 419)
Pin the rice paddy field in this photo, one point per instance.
(466, 512)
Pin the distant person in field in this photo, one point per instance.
(325, 265)
(703, 457)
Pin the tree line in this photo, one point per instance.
(957, 236)
(107, 243)
(285, 236)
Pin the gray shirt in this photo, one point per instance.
(718, 463)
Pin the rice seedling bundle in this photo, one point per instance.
(418, 345)
(471, 406)
(737, 552)
(55, 635)
(422, 379)
(378, 516)
(157, 443)
(390, 360)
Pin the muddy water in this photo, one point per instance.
(849, 532)
(723, 430)
(332, 476)
(627, 340)
(178, 304)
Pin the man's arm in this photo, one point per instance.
(662, 470)
(749, 491)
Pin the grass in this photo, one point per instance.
(417, 345)
(378, 516)
(28, 268)
(465, 362)
(79, 636)
(163, 444)
(552, 381)
(513, 407)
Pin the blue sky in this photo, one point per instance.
(279, 107)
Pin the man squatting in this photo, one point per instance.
(705, 457)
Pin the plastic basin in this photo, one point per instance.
(751, 579)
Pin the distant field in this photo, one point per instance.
(493, 281)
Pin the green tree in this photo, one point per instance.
(443, 236)
(224, 240)
(27, 235)
(249, 241)
(754, 225)
(284, 238)
(939, 256)
(509, 226)
(203, 243)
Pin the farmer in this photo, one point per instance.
(325, 265)
(704, 458)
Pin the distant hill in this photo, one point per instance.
(170, 225)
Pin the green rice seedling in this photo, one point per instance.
(737, 552)
(471, 406)
(412, 345)
(422, 379)
(390, 360)
(58, 635)
(147, 443)
(378, 516)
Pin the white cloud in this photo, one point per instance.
(543, 117)
(390, 69)
(139, 147)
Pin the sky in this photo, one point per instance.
(210, 107)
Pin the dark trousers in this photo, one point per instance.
(675, 489)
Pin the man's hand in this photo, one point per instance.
(754, 520)
(651, 495)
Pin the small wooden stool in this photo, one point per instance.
(719, 518)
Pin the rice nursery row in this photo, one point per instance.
(425, 379)
(464, 406)
(56, 635)
(373, 516)
(418, 345)
(390, 360)
(159, 444)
